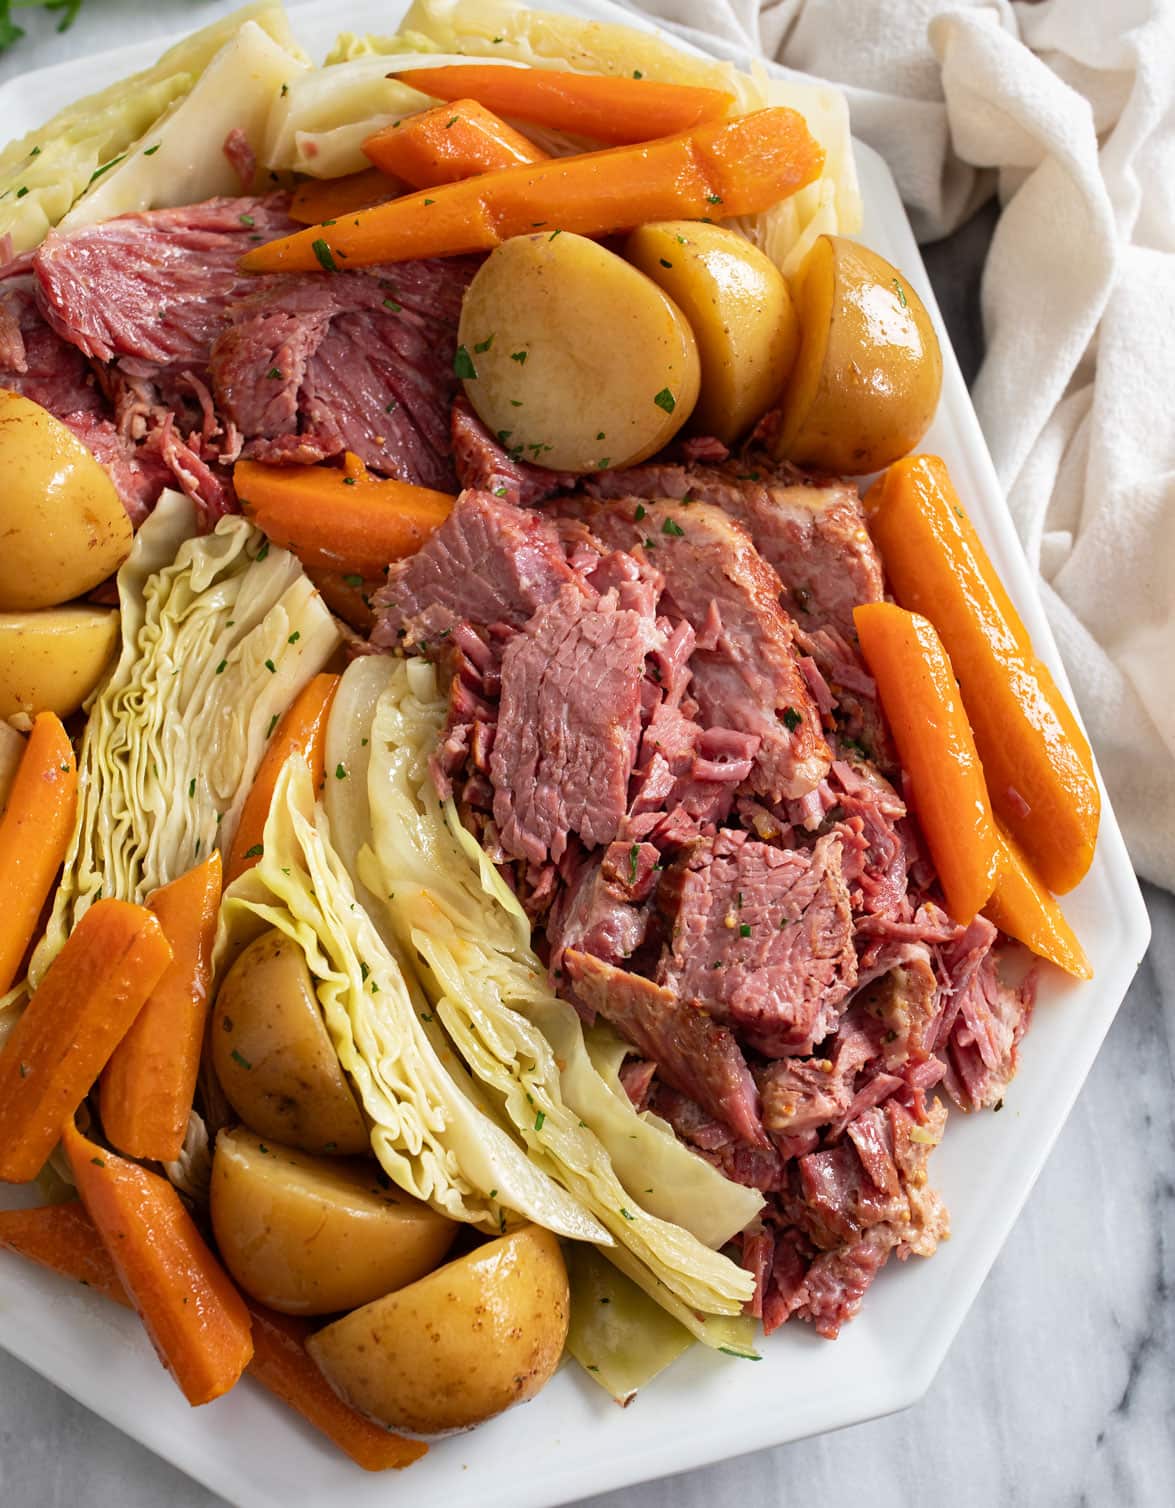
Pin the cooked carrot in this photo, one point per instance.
(196, 1319)
(1037, 760)
(734, 167)
(63, 1238)
(34, 835)
(347, 596)
(302, 731)
(324, 198)
(283, 1365)
(1022, 907)
(90, 994)
(148, 1084)
(447, 143)
(347, 521)
(921, 701)
(612, 110)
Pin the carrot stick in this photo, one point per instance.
(1022, 907)
(325, 198)
(302, 731)
(34, 835)
(283, 1365)
(921, 701)
(346, 521)
(612, 110)
(447, 143)
(196, 1319)
(148, 1084)
(63, 1238)
(1038, 762)
(90, 994)
(734, 167)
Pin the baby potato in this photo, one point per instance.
(737, 302)
(313, 1235)
(461, 1345)
(274, 1058)
(61, 521)
(866, 381)
(51, 660)
(573, 358)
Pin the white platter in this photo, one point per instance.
(573, 1441)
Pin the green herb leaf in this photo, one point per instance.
(665, 400)
(791, 719)
(325, 257)
(256, 851)
(239, 1057)
(463, 365)
(671, 526)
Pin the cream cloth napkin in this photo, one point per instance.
(1066, 110)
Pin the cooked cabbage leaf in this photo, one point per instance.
(219, 634)
(181, 159)
(430, 1139)
(491, 993)
(44, 172)
(499, 30)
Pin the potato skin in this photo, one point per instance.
(867, 378)
(273, 1056)
(314, 1235)
(473, 1338)
(50, 660)
(582, 362)
(61, 521)
(741, 313)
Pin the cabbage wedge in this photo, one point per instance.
(219, 634)
(429, 1137)
(44, 173)
(469, 943)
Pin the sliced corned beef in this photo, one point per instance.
(801, 1095)
(835, 1284)
(569, 724)
(152, 289)
(307, 367)
(902, 1004)
(745, 676)
(482, 462)
(982, 1051)
(693, 1053)
(812, 532)
(757, 1167)
(488, 563)
(602, 911)
(762, 937)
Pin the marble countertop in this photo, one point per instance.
(1060, 1389)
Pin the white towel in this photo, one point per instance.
(1066, 109)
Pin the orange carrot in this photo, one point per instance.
(148, 1084)
(283, 1365)
(196, 1319)
(63, 1238)
(1037, 760)
(1022, 907)
(90, 994)
(921, 701)
(612, 110)
(302, 731)
(348, 597)
(346, 521)
(34, 835)
(734, 167)
(324, 198)
(447, 143)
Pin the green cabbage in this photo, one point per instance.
(429, 1137)
(469, 941)
(219, 634)
(44, 172)
(619, 1336)
(499, 30)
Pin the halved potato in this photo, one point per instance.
(461, 1345)
(51, 660)
(573, 358)
(313, 1235)
(62, 526)
(274, 1058)
(741, 312)
(867, 379)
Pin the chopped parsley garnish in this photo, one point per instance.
(637, 74)
(325, 257)
(713, 198)
(364, 971)
(272, 726)
(390, 303)
(221, 667)
(553, 234)
(484, 345)
(791, 719)
(392, 405)
(901, 292)
(256, 851)
(22, 191)
(294, 637)
(105, 168)
(634, 854)
(519, 357)
(271, 667)
(452, 121)
(641, 511)
(239, 1057)
(626, 1214)
(665, 262)
(275, 374)
(349, 481)
(463, 365)
(744, 929)
(671, 526)
(430, 201)
(150, 152)
(538, 1120)
(665, 399)
(191, 787)
(247, 220)
(261, 554)
(340, 772)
